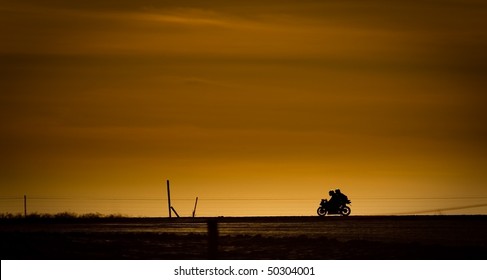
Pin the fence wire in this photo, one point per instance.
(158, 207)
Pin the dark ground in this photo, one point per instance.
(356, 237)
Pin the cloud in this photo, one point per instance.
(57, 30)
(377, 35)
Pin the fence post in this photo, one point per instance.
(25, 205)
(168, 199)
(195, 204)
(212, 239)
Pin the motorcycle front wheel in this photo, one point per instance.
(346, 211)
(321, 211)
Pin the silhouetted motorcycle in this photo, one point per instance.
(325, 208)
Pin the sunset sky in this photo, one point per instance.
(255, 107)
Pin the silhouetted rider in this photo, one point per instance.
(334, 201)
(341, 198)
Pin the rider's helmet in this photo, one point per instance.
(337, 191)
(331, 192)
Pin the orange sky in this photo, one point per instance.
(256, 107)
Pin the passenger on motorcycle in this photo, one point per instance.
(342, 199)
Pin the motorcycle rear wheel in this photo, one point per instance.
(346, 211)
(321, 211)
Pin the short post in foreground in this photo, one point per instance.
(212, 239)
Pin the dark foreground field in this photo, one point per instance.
(360, 237)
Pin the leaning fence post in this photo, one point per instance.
(174, 210)
(212, 239)
(195, 204)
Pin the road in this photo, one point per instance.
(354, 237)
